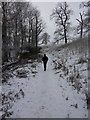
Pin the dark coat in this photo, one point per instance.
(45, 59)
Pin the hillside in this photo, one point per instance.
(59, 92)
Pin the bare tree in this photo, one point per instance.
(61, 14)
(59, 35)
(81, 24)
(86, 16)
(85, 4)
(30, 26)
(39, 25)
(45, 38)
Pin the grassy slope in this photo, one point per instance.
(71, 63)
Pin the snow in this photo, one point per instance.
(49, 94)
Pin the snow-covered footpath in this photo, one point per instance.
(59, 92)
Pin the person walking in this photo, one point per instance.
(45, 59)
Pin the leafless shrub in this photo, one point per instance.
(57, 65)
(7, 101)
(19, 94)
(71, 78)
(7, 114)
(33, 65)
(5, 77)
(77, 85)
(65, 69)
(74, 79)
(77, 75)
(88, 100)
(21, 73)
(81, 61)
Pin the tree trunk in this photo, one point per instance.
(4, 34)
(21, 35)
(9, 38)
(65, 35)
(29, 38)
(81, 35)
(32, 35)
(15, 40)
(36, 32)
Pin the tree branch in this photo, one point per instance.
(78, 20)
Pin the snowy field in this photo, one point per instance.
(59, 92)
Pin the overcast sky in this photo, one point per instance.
(46, 8)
